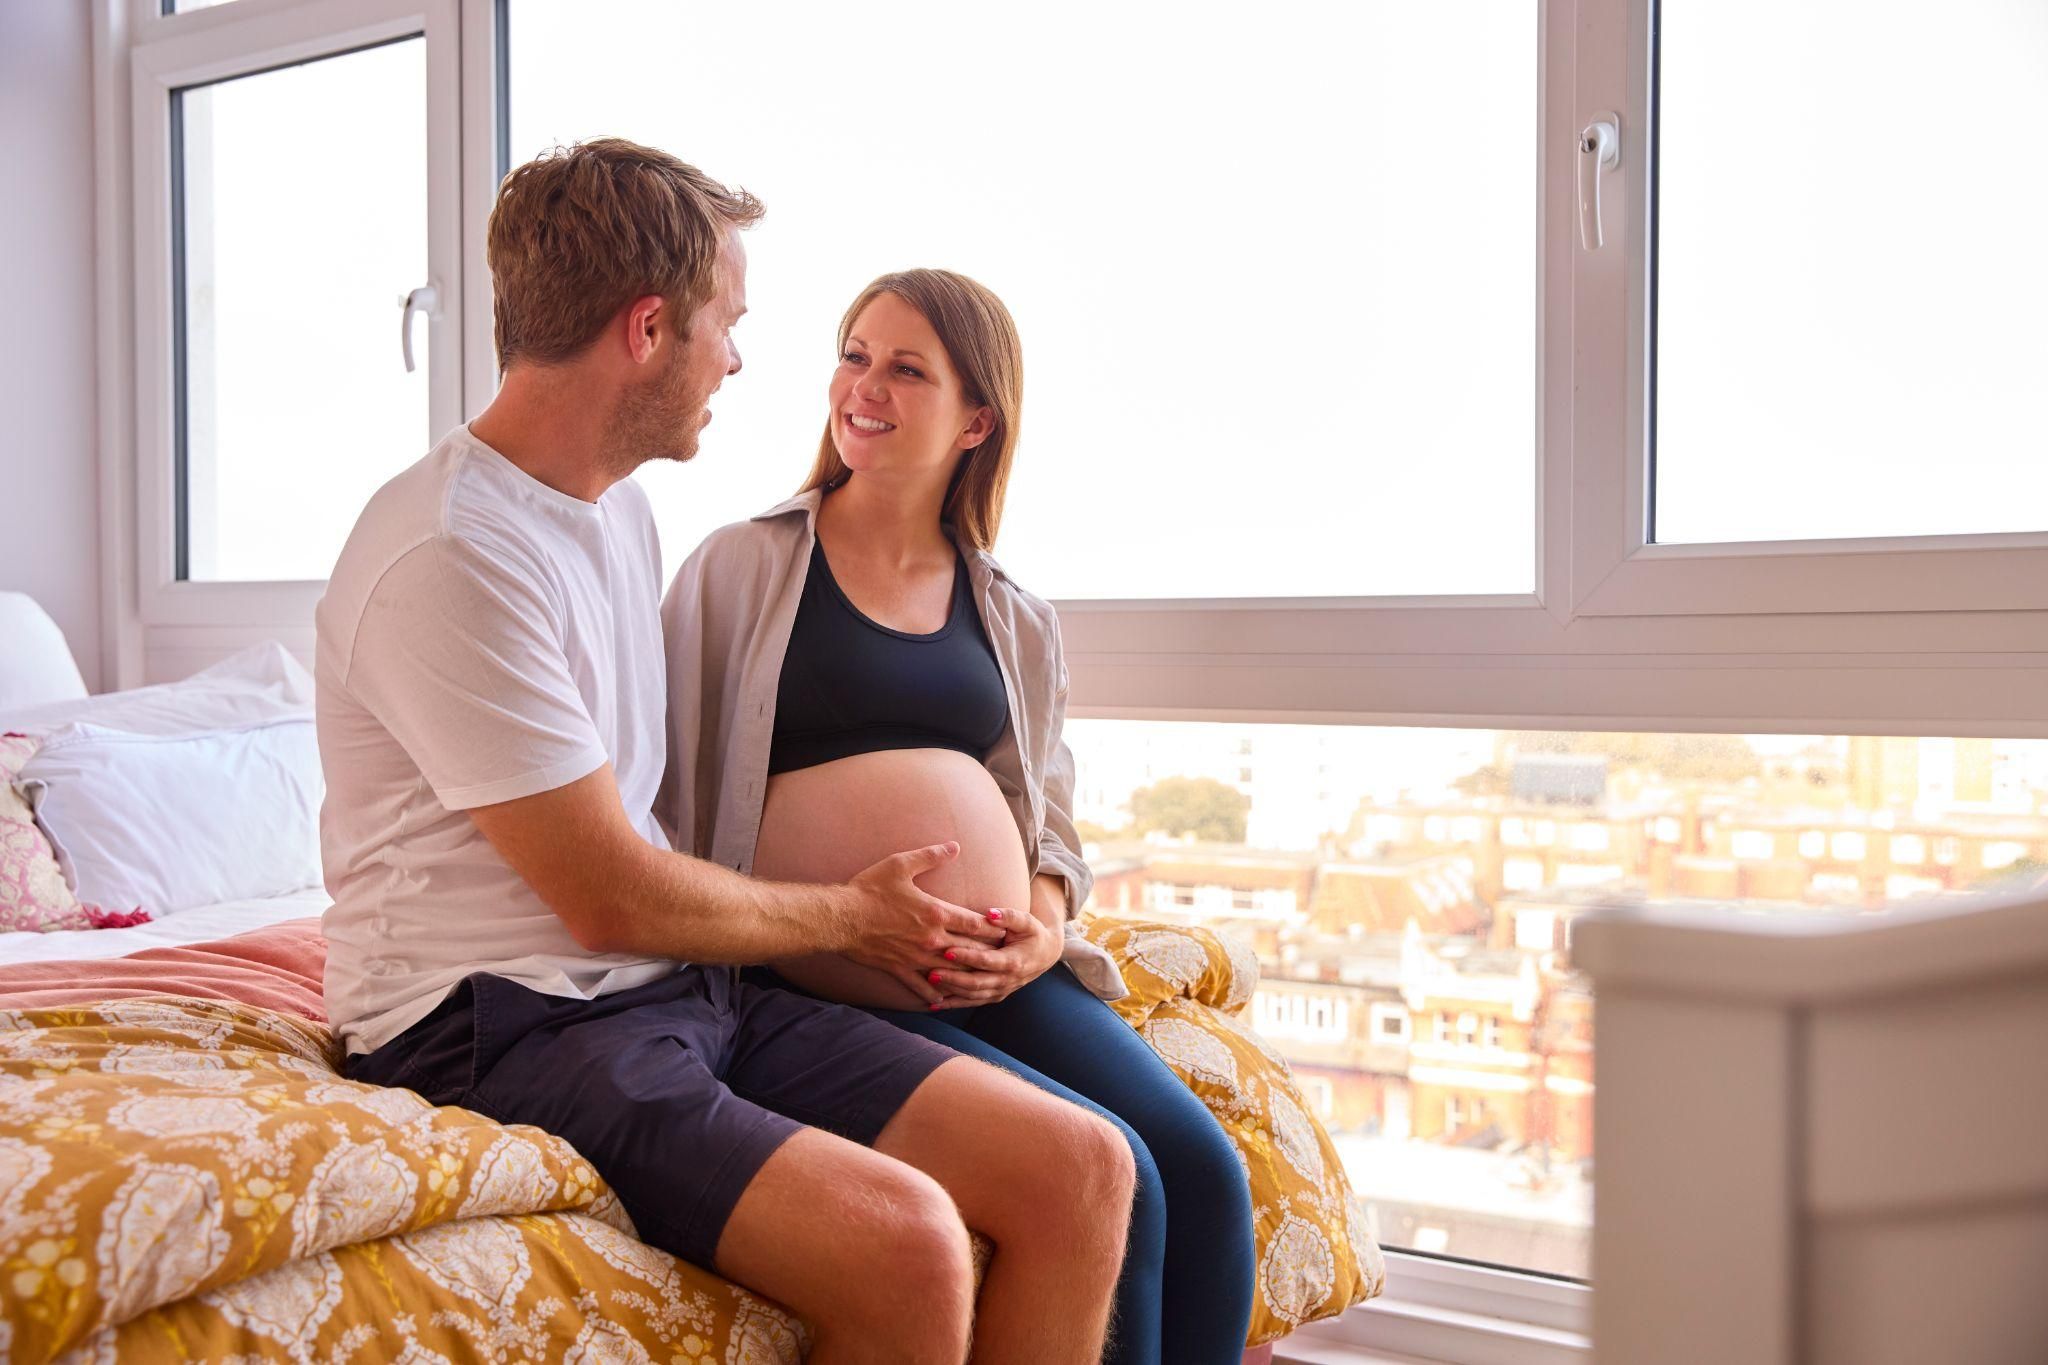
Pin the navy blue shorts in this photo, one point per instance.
(676, 1091)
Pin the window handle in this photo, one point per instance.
(425, 300)
(1599, 152)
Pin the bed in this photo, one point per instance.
(185, 1174)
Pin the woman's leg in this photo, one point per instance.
(1135, 1327)
(1056, 1026)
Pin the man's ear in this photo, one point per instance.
(980, 429)
(647, 318)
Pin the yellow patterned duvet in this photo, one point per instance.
(185, 1179)
(1315, 1256)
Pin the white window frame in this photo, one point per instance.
(1936, 635)
(165, 53)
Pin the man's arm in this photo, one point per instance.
(619, 894)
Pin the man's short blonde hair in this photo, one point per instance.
(579, 232)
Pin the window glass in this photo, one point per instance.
(1410, 897)
(1850, 282)
(300, 214)
(1275, 280)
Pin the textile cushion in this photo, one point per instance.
(168, 822)
(1189, 986)
(33, 893)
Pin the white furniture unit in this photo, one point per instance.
(1822, 1139)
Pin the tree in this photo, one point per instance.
(1200, 806)
(1092, 833)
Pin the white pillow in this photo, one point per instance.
(165, 823)
(36, 666)
(261, 684)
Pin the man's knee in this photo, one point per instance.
(1104, 1166)
(917, 1234)
(1079, 1173)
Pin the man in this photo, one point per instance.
(510, 931)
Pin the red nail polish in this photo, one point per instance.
(933, 978)
(995, 914)
(950, 957)
(935, 1004)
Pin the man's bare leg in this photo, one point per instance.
(1049, 1182)
(869, 1251)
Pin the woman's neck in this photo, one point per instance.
(888, 520)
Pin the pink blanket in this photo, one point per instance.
(277, 967)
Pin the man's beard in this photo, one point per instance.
(655, 421)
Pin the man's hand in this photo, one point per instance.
(906, 931)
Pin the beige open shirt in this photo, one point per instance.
(726, 623)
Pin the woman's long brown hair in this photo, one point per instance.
(981, 341)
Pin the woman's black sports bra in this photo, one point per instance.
(852, 686)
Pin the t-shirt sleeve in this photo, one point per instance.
(459, 655)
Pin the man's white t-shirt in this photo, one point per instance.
(484, 637)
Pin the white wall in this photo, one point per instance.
(49, 484)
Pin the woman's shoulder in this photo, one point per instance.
(1026, 605)
(757, 540)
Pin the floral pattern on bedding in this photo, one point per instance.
(1316, 1256)
(34, 897)
(183, 1178)
(187, 1179)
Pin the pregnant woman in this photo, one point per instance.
(852, 674)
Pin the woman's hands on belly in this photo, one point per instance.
(834, 822)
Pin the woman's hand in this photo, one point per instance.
(982, 976)
(1030, 948)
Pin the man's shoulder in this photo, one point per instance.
(432, 518)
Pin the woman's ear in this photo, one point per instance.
(980, 429)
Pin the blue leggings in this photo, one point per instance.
(1185, 1296)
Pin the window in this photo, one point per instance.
(1536, 930)
(2002, 853)
(1390, 1023)
(295, 174)
(275, 470)
(1426, 322)
(1483, 983)
(1848, 846)
(1819, 423)
(1753, 844)
(1909, 848)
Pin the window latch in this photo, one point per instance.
(425, 300)
(1599, 152)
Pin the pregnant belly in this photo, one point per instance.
(826, 823)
